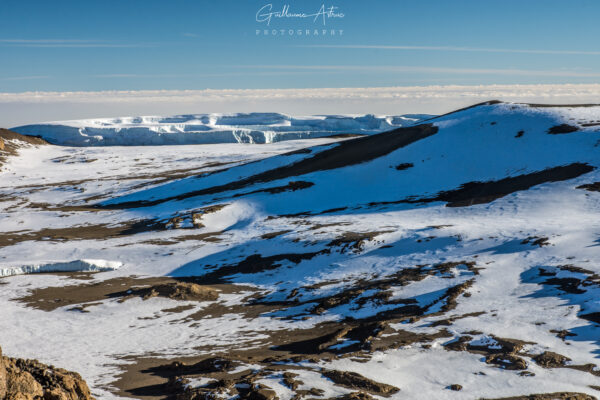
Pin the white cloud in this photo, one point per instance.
(30, 107)
(548, 91)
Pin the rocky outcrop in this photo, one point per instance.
(353, 380)
(10, 142)
(31, 380)
(7, 135)
(179, 291)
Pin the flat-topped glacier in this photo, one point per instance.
(210, 128)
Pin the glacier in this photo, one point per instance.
(256, 128)
(70, 266)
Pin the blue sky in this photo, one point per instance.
(91, 45)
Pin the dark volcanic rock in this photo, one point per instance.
(592, 187)
(549, 359)
(356, 381)
(563, 128)
(506, 361)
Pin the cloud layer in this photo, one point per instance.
(32, 107)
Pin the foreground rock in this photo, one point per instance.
(31, 380)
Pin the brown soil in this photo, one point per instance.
(123, 288)
(31, 380)
(9, 148)
(349, 152)
(550, 396)
(153, 379)
(106, 231)
(156, 378)
(6, 134)
(83, 232)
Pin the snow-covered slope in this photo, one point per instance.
(455, 259)
(409, 166)
(210, 128)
